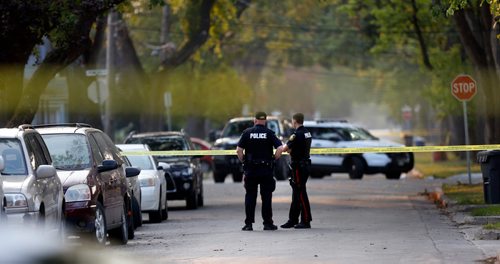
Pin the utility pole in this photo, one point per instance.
(163, 56)
(110, 57)
(165, 30)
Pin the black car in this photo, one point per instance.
(224, 165)
(187, 175)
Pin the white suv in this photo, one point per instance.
(340, 134)
(32, 191)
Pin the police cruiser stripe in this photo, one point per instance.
(322, 151)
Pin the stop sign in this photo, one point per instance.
(463, 87)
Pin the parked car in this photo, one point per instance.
(207, 162)
(187, 176)
(33, 193)
(341, 134)
(224, 165)
(153, 182)
(93, 174)
(134, 190)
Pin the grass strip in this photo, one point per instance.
(464, 193)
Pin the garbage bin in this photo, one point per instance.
(490, 168)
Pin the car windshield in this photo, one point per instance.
(161, 142)
(235, 129)
(68, 151)
(11, 151)
(340, 133)
(142, 162)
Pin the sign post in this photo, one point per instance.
(463, 87)
(167, 100)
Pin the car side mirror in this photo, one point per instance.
(163, 166)
(45, 171)
(132, 171)
(107, 165)
(2, 164)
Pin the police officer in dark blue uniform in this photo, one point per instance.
(299, 146)
(255, 150)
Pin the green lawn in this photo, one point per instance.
(495, 226)
(425, 164)
(492, 210)
(464, 193)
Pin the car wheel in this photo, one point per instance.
(63, 232)
(130, 226)
(164, 213)
(100, 225)
(136, 211)
(356, 168)
(200, 197)
(237, 176)
(119, 236)
(192, 200)
(219, 177)
(393, 175)
(156, 216)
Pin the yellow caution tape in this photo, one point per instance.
(322, 151)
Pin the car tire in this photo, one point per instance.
(156, 216)
(237, 176)
(219, 177)
(200, 197)
(131, 226)
(136, 211)
(164, 213)
(119, 236)
(393, 175)
(356, 168)
(100, 226)
(63, 229)
(192, 200)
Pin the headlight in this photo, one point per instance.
(147, 182)
(15, 200)
(80, 192)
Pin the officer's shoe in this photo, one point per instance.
(270, 227)
(302, 226)
(288, 224)
(247, 227)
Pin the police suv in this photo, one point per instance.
(341, 134)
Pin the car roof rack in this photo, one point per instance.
(77, 125)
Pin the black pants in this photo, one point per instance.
(300, 200)
(253, 178)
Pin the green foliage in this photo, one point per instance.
(493, 210)
(202, 91)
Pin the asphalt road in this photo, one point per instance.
(369, 221)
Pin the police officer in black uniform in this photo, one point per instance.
(299, 146)
(257, 143)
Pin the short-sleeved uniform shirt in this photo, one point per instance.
(300, 144)
(258, 142)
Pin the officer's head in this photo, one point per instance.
(297, 119)
(260, 118)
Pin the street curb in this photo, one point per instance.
(473, 225)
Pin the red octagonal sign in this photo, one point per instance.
(463, 87)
